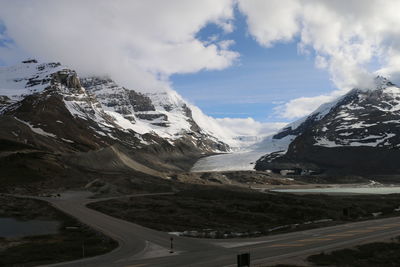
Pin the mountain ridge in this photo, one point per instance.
(57, 132)
(357, 133)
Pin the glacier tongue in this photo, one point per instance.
(244, 159)
(239, 161)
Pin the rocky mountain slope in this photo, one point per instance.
(163, 113)
(55, 124)
(359, 133)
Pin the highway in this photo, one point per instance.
(141, 246)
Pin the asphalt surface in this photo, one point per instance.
(141, 246)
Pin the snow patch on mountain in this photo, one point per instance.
(371, 140)
(212, 127)
(26, 78)
(36, 130)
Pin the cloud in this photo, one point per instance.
(353, 39)
(303, 106)
(228, 129)
(272, 20)
(249, 126)
(138, 43)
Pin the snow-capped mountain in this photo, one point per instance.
(112, 107)
(51, 117)
(163, 113)
(358, 132)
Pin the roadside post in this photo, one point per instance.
(172, 245)
(243, 260)
(346, 212)
(83, 248)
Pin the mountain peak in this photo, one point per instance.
(362, 124)
(382, 82)
(111, 110)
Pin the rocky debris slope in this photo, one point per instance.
(357, 133)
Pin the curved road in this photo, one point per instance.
(141, 246)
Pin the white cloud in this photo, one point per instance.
(303, 106)
(345, 35)
(228, 129)
(225, 44)
(272, 20)
(139, 43)
(249, 126)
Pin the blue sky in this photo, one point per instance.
(260, 80)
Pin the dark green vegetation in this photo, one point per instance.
(372, 254)
(45, 249)
(239, 210)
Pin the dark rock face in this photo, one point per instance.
(69, 79)
(358, 134)
(4, 101)
(140, 102)
(121, 100)
(150, 117)
(118, 96)
(30, 61)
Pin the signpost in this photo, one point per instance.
(346, 212)
(243, 260)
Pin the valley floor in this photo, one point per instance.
(219, 211)
(233, 208)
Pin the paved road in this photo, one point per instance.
(140, 246)
(274, 249)
(135, 242)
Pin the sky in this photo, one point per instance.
(252, 64)
(258, 83)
